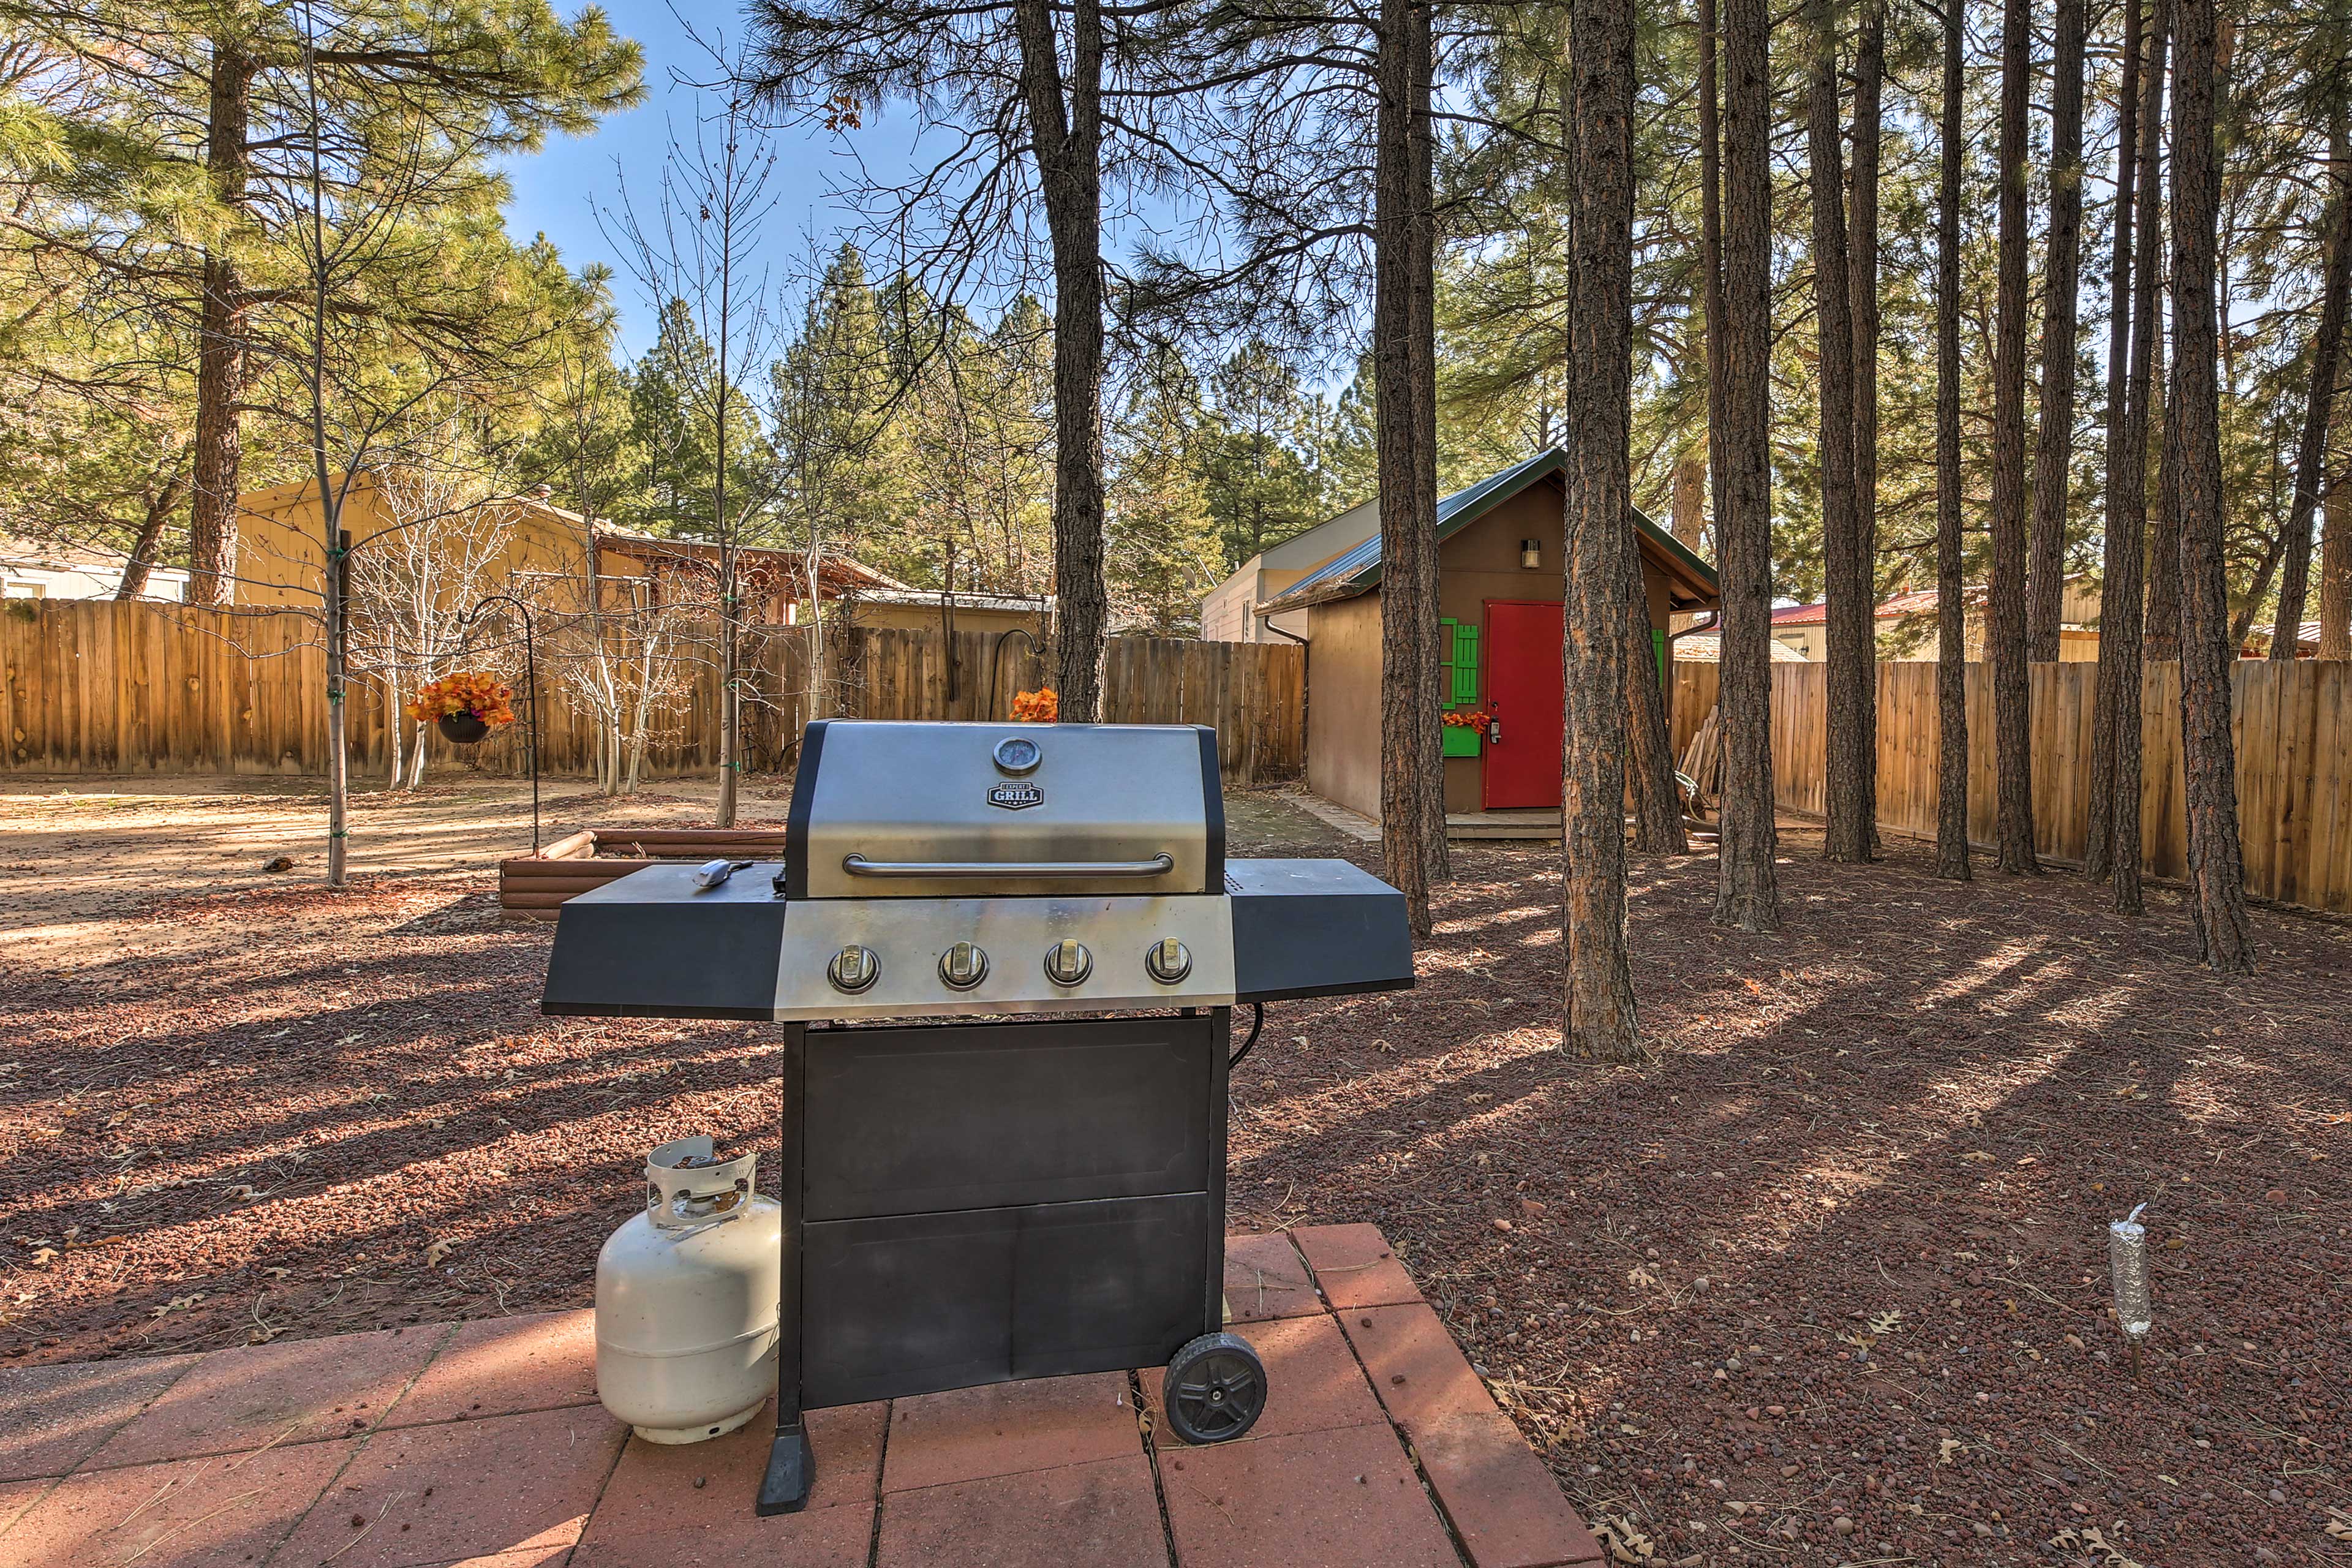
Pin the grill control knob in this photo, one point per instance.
(1169, 961)
(854, 969)
(964, 966)
(1068, 962)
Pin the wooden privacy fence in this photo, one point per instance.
(2293, 725)
(98, 686)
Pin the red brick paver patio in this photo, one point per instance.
(481, 1446)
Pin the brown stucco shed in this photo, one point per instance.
(1500, 643)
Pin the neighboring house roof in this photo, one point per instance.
(1025, 603)
(1313, 546)
(1310, 548)
(836, 574)
(22, 554)
(1919, 602)
(1358, 570)
(2308, 632)
(1699, 647)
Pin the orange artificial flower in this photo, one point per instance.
(1038, 706)
(467, 691)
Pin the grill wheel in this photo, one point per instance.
(1216, 1389)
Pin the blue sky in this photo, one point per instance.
(556, 191)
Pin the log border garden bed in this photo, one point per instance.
(533, 887)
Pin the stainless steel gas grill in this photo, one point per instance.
(967, 1201)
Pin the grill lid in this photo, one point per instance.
(885, 809)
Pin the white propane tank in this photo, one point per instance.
(685, 1299)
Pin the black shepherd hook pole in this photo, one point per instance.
(531, 676)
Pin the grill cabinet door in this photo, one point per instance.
(921, 1303)
(991, 1201)
(913, 1120)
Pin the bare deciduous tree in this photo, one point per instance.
(699, 244)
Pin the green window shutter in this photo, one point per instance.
(1446, 629)
(1466, 664)
(1658, 639)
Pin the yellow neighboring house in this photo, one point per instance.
(421, 530)
(1906, 626)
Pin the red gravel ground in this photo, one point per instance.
(1824, 1283)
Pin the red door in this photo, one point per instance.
(1524, 761)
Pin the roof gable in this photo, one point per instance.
(1312, 547)
(1358, 570)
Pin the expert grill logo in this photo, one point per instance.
(1016, 796)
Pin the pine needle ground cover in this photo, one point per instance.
(1826, 1282)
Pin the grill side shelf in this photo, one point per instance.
(1315, 928)
(651, 945)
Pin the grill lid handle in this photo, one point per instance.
(859, 866)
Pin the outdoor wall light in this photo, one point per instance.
(2127, 1263)
(1530, 554)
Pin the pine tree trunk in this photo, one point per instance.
(1951, 611)
(1067, 141)
(1688, 501)
(2242, 621)
(1421, 175)
(2045, 565)
(2217, 871)
(1657, 805)
(2335, 572)
(2326, 352)
(1599, 1022)
(2122, 535)
(141, 563)
(2163, 529)
(1710, 258)
(2012, 686)
(1748, 891)
(1847, 569)
(220, 346)
(1406, 633)
(2123, 616)
(1870, 75)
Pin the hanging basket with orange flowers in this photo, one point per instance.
(1038, 706)
(467, 705)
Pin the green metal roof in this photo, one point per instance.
(1358, 570)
